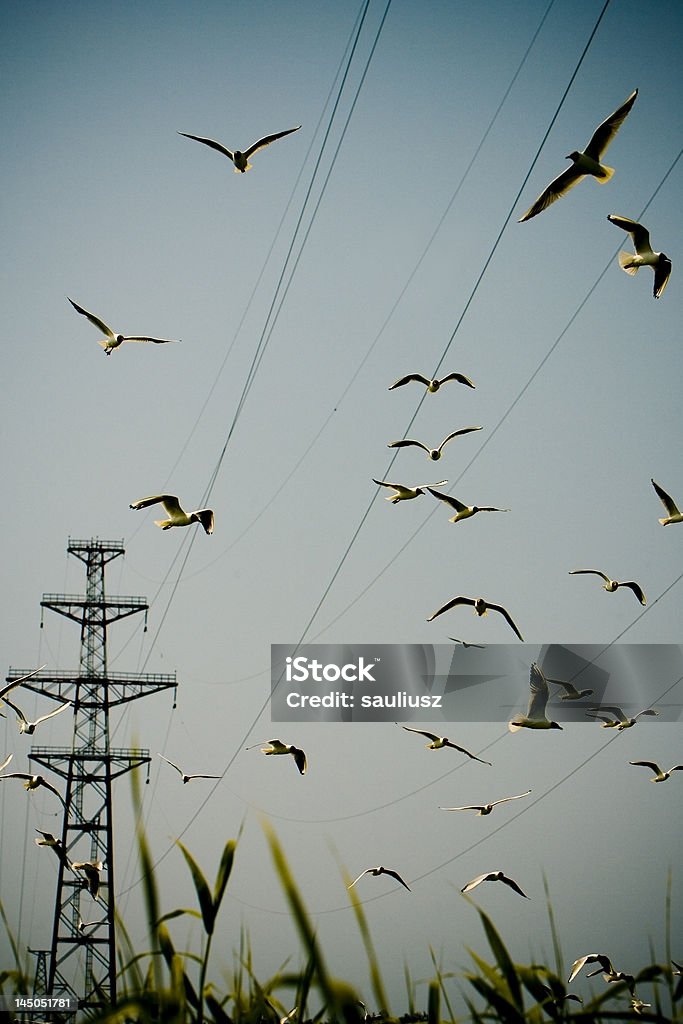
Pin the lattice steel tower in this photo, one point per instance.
(82, 960)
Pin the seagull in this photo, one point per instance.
(643, 256)
(462, 511)
(404, 493)
(33, 782)
(278, 747)
(493, 876)
(572, 693)
(535, 717)
(463, 643)
(187, 778)
(56, 844)
(637, 1005)
(6, 762)
(432, 385)
(659, 776)
(380, 871)
(239, 159)
(442, 741)
(17, 682)
(674, 516)
(483, 809)
(606, 969)
(620, 721)
(433, 453)
(114, 340)
(612, 585)
(481, 607)
(587, 162)
(30, 727)
(82, 925)
(91, 869)
(178, 516)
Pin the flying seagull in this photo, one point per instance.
(587, 162)
(18, 682)
(187, 778)
(30, 727)
(483, 809)
(612, 585)
(55, 844)
(465, 644)
(33, 782)
(404, 493)
(493, 876)
(571, 693)
(674, 516)
(442, 741)
(462, 511)
(535, 717)
(606, 969)
(278, 747)
(380, 871)
(481, 607)
(659, 776)
(613, 717)
(433, 453)
(643, 256)
(114, 340)
(241, 159)
(432, 385)
(177, 515)
(91, 869)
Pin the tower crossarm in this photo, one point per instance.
(108, 609)
(89, 766)
(121, 686)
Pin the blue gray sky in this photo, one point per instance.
(578, 374)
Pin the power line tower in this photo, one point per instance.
(82, 961)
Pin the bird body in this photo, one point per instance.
(187, 778)
(659, 774)
(177, 515)
(462, 511)
(494, 876)
(241, 159)
(380, 871)
(30, 727)
(278, 747)
(442, 741)
(113, 340)
(587, 162)
(483, 809)
(644, 255)
(535, 717)
(432, 385)
(404, 493)
(481, 607)
(674, 513)
(433, 453)
(612, 585)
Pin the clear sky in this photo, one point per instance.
(107, 204)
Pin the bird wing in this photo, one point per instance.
(206, 518)
(100, 324)
(405, 443)
(169, 501)
(204, 776)
(267, 139)
(611, 709)
(449, 743)
(299, 759)
(453, 502)
(452, 604)
(457, 433)
(21, 717)
(594, 572)
(406, 380)
(430, 735)
(17, 775)
(29, 675)
(467, 807)
(359, 878)
(636, 588)
(639, 234)
(476, 881)
(647, 711)
(48, 785)
(179, 770)
(155, 341)
(506, 615)
(460, 377)
(648, 764)
(557, 188)
(513, 885)
(505, 799)
(209, 142)
(395, 874)
(666, 499)
(591, 958)
(538, 693)
(605, 132)
(51, 714)
(662, 275)
(6, 762)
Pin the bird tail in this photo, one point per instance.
(514, 725)
(626, 263)
(106, 346)
(165, 524)
(607, 173)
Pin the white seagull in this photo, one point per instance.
(481, 607)
(380, 871)
(55, 844)
(606, 969)
(571, 693)
(404, 493)
(177, 515)
(442, 741)
(462, 511)
(18, 682)
(91, 869)
(433, 453)
(659, 775)
(241, 159)
(613, 717)
(187, 778)
(30, 727)
(483, 809)
(535, 717)
(674, 513)
(432, 385)
(278, 747)
(587, 162)
(612, 585)
(643, 256)
(494, 876)
(33, 782)
(114, 340)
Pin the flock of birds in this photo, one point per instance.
(585, 163)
